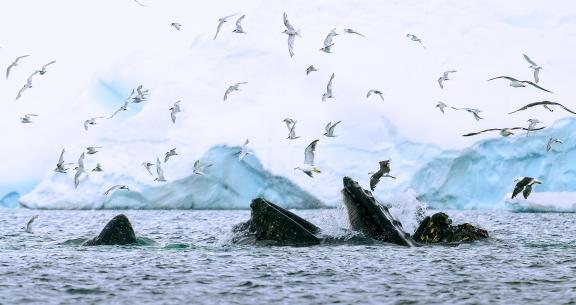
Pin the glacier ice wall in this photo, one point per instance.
(10, 200)
(480, 176)
(228, 184)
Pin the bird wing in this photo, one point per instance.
(533, 84)
(448, 72)
(116, 112)
(564, 107)
(61, 159)
(329, 86)
(220, 23)
(239, 22)
(77, 178)
(334, 126)
(530, 61)
(21, 91)
(374, 179)
(536, 73)
(197, 164)
(291, 39)
(517, 190)
(292, 132)
(527, 191)
(440, 80)
(29, 80)
(309, 153)
(46, 65)
(81, 162)
(159, 170)
(479, 132)
(505, 77)
(230, 89)
(86, 123)
(327, 128)
(476, 116)
(31, 221)
(369, 93)
(111, 189)
(8, 69)
(328, 39)
(287, 23)
(526, 107)
(173, 116)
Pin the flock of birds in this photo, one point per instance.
(139, 94)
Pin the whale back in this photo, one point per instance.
(118, 231)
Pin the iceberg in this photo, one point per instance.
(480, 176)
(228, 184)
(10, 200)
(556, 202)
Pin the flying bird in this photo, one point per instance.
(531, 124)
(14, 64)
(170, 153)
(444, 78)
(377, 92)
(28, 228)
(534, 66)
(328, 93)
(328, 41)
(416, 39)
(505, 132)
(311, 69)
(551, 142)
(116, 187)
(176, 25)
(92, 149)
(291, 32)
(441, 106)
(351, 31)
(545, 104)
(27, 118)
(124, 107)
(91, 121)
(308, 167)
(519, 83)
(98, 168)
(221, 22)
(200, 168)
(28, 84)
(61, 166)
(239, 29)
(141, 95)
(330, 129)
(474, 112)
(232, 88)
(79, 170)
(524, 185)
(292, 132)
(159, 171)
(384, 171)
(43, 70)
(244, 151)
(147, 165)
(175, 109)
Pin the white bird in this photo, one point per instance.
(147, 165)
(239, 28)
(328, 41)
(141, 95)
(79, 170)
(534, 66)
(308, 167)
(232, 88)
(416, 39)
(441, 106)
(444, 77)
(98, 168)
(43, 70)
(175, 109)
(28, 84)
(551, 142)
(244, 151)
(116, 187)
(14, 64)
(328, 93)
(505, 132)
(474, 112)
(311, 69)
(546, 104)
(383, 171)
(292, 131)
(519, 83)
(159, 171)
(176, 25)
(28, 227)
(524, 185)
(377, 92)
(27, 118)
(92, 149)
(199, 168)
(170, 153)
(330, 129)
(291, 32)
(61, 166)
(124, 107)
(531, 124)
(91, 121)
(351, 31)
(221, 22)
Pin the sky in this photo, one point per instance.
(105, 48)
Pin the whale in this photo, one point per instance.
(118, 231)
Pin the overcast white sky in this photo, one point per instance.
(104, 48)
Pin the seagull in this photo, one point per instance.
(551, 142)
(328, 41)
(473, 111)
(378, 92)
(176, 25)
(116, 187)
(91, 121)
(28, 227)
(221, 21)
(239, 28)
(159, 171)
(533, 66)
(147, 165)
(351, 31)
(43, 70)
(141, 95)
(92, 149)
(328, 93)
(546, 105)
(444, 77)
(415, 38)
(26, 86)
(308, 167)
(60, 166)
(244, 150)
(505, 132)
(532, 124)
(98, 168)
(441, 106)
(14, 64)
(330, 129)
(235, 87)
(199, 168)
(175, 109)
(519, 83)
(524, 185)
(27, 118)
(384, 171)
(124, 107)
(311, 69)
(79, 170)
(292, 33)
(292, 131)
(170, 153)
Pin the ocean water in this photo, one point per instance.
(530, 259)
